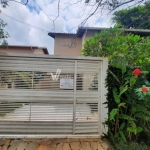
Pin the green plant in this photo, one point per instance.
(130, 146)
(134, 17)
(119, 47)
(128, 103)
(3, 34)
(131, 106)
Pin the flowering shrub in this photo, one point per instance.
(129, 115)
(128, 96)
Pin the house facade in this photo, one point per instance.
(24, 49)
(71, 44)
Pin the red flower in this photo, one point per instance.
(137, 72)
(144, 89)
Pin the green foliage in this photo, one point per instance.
(112, 114)
(135, 17)
(128, 106)
(130, 146)
(4, 3)
(120, 48)
(3, 34)
(130, 110)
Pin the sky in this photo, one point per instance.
(29, 24)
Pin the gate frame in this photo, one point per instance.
(102, 91)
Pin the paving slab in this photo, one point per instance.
(75, 145)
(93, 145)
(40, 147)
(66, 146)
(59, 147)
(99, 146)
(32, 146)
(86, 146)
(22, 146)
(105, 145)
(2, 142)
(14, 146)
(7, 142)
(5, 147)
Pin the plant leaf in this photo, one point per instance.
(123, 136)
(139, 129)
(114, 76)
(121, 104)
(116, 96)
(123, 90)
(126, 117)
(123, 68)
(132, 81)
(122, 126)
(131, 129)
(112, 114)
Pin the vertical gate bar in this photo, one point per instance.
(30, 111)
(104, 110)
(32, 78)
(74, 102)
(32, 88)
(99, 98)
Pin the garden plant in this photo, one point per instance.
(128, 84)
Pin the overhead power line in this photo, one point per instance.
(25, 23)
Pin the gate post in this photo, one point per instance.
(74, 102)
(99, 98)
(102, 90)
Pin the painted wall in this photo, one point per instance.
(71, 45)
(68, 45)
(38, 51)
(27, 50)
(89, 34)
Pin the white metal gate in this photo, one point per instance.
(51, 94)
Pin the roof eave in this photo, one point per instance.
(141, 32)
(51, 35)
(45, 51)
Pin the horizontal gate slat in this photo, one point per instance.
(34, 99)
(64, 70)
(35, 93)
(31, 102)
(87, 131)
(63, 123)
(35, 131)
(51, 63)
(35, 127)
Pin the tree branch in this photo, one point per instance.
(72, 4)
(121, 4)
(18, 2)
(85, 20)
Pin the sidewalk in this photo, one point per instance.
(54, 144)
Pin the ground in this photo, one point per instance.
(54, 144)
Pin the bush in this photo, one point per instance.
(128, 102)
(128, 106)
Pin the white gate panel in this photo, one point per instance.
(33, 101)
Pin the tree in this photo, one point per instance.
(119, 47)
(4, 3)
(3, 34)
(136, 17)
(128, 105)
(110, 5)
